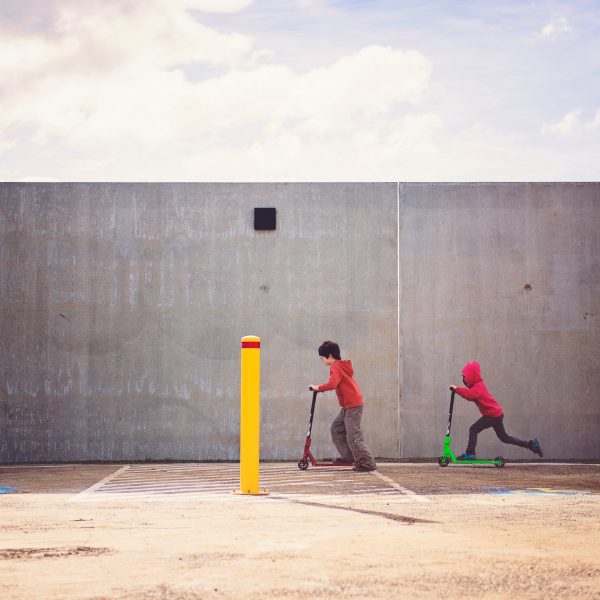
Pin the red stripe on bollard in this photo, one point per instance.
(250, 344)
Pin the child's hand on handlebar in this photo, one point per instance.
(313, 388)
(452, 388)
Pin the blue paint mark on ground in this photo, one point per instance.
(505, 491)
(7, 490)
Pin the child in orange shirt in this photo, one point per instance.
(345, 429)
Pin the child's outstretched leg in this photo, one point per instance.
(532, 445)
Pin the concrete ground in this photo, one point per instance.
(406, 531)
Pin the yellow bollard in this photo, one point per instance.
(250, 417)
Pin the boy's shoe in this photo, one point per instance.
(466, 456)
(359, 469)
(343, 461)
(535, 447)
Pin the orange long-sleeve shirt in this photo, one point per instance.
(340, 380)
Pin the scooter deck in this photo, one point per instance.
(448, 458)
(331, 464)
(477, 461)
(308, 459)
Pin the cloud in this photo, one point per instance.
(225, 6)
(555, 29)
(102, 95)
(309, 3)
(566, 125)
(125, 90)
(46, 16)
(98, 69)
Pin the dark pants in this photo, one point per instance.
(498, 425)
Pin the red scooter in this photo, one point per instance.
(303, 462)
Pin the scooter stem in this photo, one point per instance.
(312, 414)
(450, 412)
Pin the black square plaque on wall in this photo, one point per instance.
(265, 219)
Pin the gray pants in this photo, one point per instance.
(348, 439)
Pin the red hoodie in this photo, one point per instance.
(477, 392)
(340, 380)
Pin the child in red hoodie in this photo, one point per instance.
(492, 412)
(345, 429)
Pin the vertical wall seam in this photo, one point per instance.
(399, 341)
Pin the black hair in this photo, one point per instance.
(329, 347)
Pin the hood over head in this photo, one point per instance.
(472, 373)
(346, 366)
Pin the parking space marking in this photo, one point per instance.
(102, 482)
(199, 480)
(400, 488)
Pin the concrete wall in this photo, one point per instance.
(509, 275)
(122, 307)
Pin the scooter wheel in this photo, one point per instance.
(443, 461)
(499, 462)
(303, 465)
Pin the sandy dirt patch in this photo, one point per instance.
(522, 531)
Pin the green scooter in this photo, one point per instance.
(447, 456)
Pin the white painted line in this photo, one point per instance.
(164, 482)
(123, 483)
(401, 489)
(67, 466)
(94, 487)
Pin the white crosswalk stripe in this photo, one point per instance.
(203, 480)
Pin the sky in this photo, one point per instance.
(299, 90)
